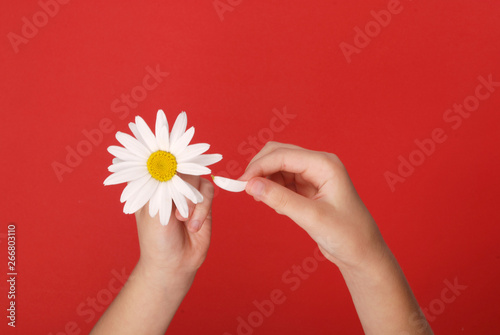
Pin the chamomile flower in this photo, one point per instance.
(150, 165)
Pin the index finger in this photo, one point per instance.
(313, 166)
(270, 147)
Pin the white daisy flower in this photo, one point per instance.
(149, 164)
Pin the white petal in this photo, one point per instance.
(206, 160)
(179, 200)
(163, 140)
(177, 146)
(165, 204)
(133, 187)
(142, 197)
(129, 202)
(192, 169)
(146, 134)
(117, 160)
(135, 131)
(192, 151)
(181, 186)
(124, 165)
(230, 184)
(199, 196)
(161, 121)
(132, 145)
(179, 127)
(127, 175)
(154, 202)
(123, 154)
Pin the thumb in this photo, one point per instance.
(283, 200)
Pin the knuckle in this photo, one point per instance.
(281, 152)
(279, 155)
(327, 157)
(330, 162)
(334, 160)
(271, 144)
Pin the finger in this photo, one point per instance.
(202, 210)
(313, 166)
(283, 200)
(296, 182)
(278, 178)
(270, 147)
(288, 178)
(285, 179)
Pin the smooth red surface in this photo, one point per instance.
(442, 222)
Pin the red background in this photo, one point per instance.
(229, 75)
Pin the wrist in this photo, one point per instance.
(373, 269)
(162, 277)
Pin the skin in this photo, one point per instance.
(311, 188)
(314, 190)
(170, 257)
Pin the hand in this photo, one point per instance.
(181, 246)
(314, 190)
(170, 257)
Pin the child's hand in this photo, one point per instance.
(314, 190)
(170, 256)
(181, 246)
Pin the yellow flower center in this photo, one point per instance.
(162, 165)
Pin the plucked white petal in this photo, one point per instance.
(163, 140)
(199, 196)
(165, 204)
(161, 121)
(127, 175)
(206, 160)
(179, 200)
(132, 187)
(179, 127)
(181, 186)
(230, 184)
(146, 134)
(135, 131)
(193, 169)
(192, 151)
(123, 165)
(123, 154)
(132, 145)
(141, 197)
(177, 146)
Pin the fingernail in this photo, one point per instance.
(257, 188)
(195, 225)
